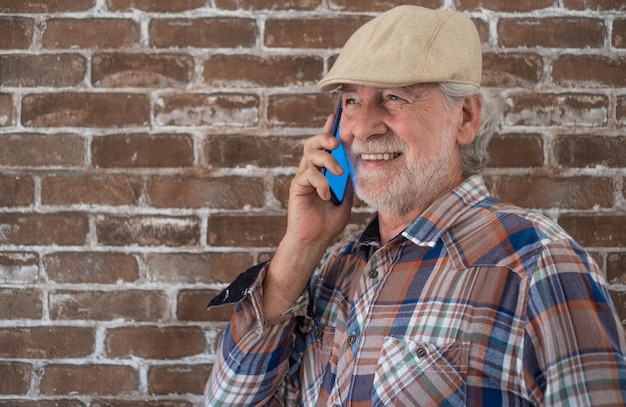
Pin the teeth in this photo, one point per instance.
(379, 156)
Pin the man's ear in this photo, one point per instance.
(468, 128)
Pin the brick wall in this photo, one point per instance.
(146, 148)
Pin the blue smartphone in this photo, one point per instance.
(338, 183)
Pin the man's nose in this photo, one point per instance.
(369, 120)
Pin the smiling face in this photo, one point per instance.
(403, 143)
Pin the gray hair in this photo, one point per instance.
(475, 156)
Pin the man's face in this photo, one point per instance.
(403, 145)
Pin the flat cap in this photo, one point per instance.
(408, 45)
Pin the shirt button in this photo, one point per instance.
(351, 340)
(421, 352)
(373, 274)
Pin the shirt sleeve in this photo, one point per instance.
(257, 361)
(574, 342)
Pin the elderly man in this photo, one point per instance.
(449, 296)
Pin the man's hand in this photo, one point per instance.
(313, 221)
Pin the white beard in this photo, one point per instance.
(407, 184)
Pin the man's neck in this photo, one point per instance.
(389, 226)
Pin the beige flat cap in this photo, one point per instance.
(408, 45)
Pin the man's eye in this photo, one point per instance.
(393, 97)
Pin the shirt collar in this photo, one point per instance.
(439, 217)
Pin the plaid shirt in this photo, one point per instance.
(477, 303)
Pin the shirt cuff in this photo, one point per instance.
(247, 289)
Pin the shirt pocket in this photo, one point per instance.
(424, 374)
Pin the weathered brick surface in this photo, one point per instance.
(42, 70)
(20, 304)
(16, 191)
(154, 343)
(140, 70)
(147, 147)
(93, 380)
(142, 150)
(85, 110)
(90, 33)
(17, 32)
(90, 267)
(133, 305)
(46, 342)
(551, 32)
(6, 109)
(41, 150)
(177, 379)
(219, 193)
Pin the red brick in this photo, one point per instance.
(6, 110)
(113, 190)
(516, 150)
(140, 402)
(590, 151)
(260, 231)
(93, 34)
(15, 377)
(192, 306)
(156, 6)
(619, 299)
(45, 6)
(42, 70)
(16, 32)
(267, 71)
(377, 5)
(141, 70)
(596, 230)
(591, 71)
(203, 33)
(154, 343)
(503, 5)
(599, 5)
(85, 110)
(301, 110)
(147, 231)
(236, 110)
(142, 150)
(31, 150)
(565, 109)
(540, 192)
(42, 403)
(20, 304)
(619, 33)
(16, 191)
(326, 33)
(616, 268)
(43, 229)
(207, 268)
(511, 70)
(19, 267)
(46, 342)
(219, 193)
(94, 305)
(620, 110)
(281, 190)
(292, 5)
(92, 380)
(90, 268)
(177, 379)
(559, 32)
(239, 151)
